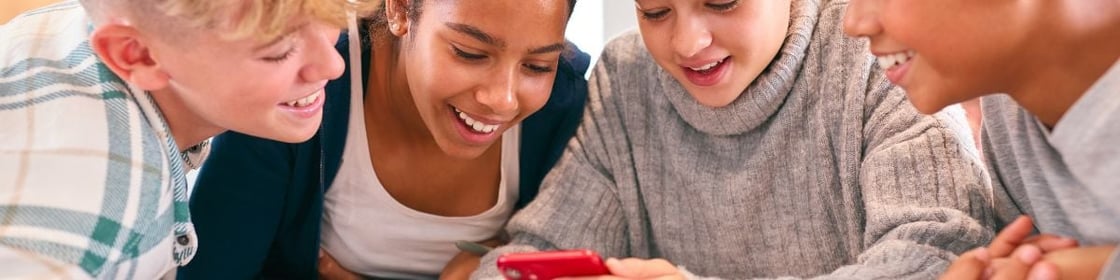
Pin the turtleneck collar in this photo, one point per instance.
(765, 95)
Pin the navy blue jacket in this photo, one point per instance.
(257, 203)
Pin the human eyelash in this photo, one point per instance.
(282, 57)
(722, 7)
(466, 55)
(655, 14)
(539, 69)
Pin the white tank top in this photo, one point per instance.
(368, 232)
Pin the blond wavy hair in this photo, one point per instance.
(235, 19)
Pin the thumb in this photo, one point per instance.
(970, 265)
(617, 268)
(1011, 237)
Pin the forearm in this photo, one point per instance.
(925, 195)
(919, 246)
(1111, 269)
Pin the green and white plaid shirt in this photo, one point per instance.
(92, 184)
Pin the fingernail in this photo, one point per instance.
(612, 261)
(1028, 254)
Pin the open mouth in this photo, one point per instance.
(474, 125)
(707, 74)
(893, 60)
(707, 68)
(896, 65)
(305, 101)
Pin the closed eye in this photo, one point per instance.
(655, 14)
(467, 55)
(280, 58)
(722, 7)
(538, 68)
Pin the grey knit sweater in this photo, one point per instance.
(1068, 180)
(820, 168)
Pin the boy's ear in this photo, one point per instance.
(128, 54)
(396, 13)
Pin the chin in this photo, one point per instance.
(714, 97)
(925, 103)
(464, 153)
(461, 151)
(929, 110)
(292, 136)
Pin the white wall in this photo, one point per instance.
(619, 16)
(595, 22)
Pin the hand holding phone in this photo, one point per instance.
(551, 264)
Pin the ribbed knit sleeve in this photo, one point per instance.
(925, 195)
(820, 169)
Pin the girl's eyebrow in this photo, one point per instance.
(547, 49)
(477, 34)
(482, 36)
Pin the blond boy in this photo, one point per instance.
(107, 103)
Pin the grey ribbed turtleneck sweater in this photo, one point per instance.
(820, 168)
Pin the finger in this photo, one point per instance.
(1049, 242)
(1021, 259)
(969, 265)
(1027, 254)
(1010, 237)
(616, 267)
(1043, 271)
(640, 268)
(1009, 269)
(326, 263)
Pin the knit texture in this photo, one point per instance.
(821, 168)
(1067, 181)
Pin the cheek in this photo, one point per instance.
(533, 96)
(429, 83)
(271, 83)
(262, 91)
(658, 41)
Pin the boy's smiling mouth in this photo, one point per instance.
(304, 101)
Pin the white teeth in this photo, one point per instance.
(890, 60)
(303, 102)
(475, 125)
(708, 66)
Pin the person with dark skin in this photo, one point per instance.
(449, 115)
(1047, 74)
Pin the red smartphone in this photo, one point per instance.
(551, 264)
